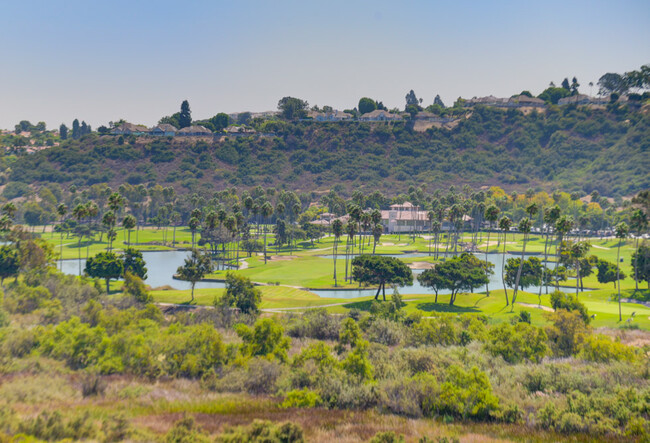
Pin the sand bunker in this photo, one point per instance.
(420, 265)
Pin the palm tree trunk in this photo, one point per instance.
(618, 276)
(487, 289)
(335, 251)
(636, 263)
(503, 267)
(521, 266)
(544, 268)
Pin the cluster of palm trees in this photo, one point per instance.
(364, 224)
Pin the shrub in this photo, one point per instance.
(466, 394)
(516, 343)
(316, 323)
(387, 437)
(263, 431)
(569, 302)
(93, 385)
(265, 339)
(413, 397)
(386, 332)
(433, 331)
(302, 398)
(600, 348)
(185, 430)
(262, 376)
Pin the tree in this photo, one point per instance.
(63, 132)
(434, 279)
(572, 253)
(565, 84)
(504, 225)
(641, 260)
(367, 105)
(196, 266)
(438, 101)
(129, 223)
(76, 129)
(134, 286)
(265, 339)
(612, 83)
(608, 273)
(293, 108)
(185, 116)
(524, 227)
(531, 272)
(638, 223)
(241, 292)
(134, 263)
(9, 263)
(411, 99)
(379, 270)
(550, 217)
(337, 231)
(621, 233)
(266, 211)
(106, 265)
(574, 86)
(491, 216)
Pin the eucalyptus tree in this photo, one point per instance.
(337, 231)
(504, 224)
(491, 216)
(639, 223)
(622, 231)
(524, 226)
(551, 215)
(266, 211)
(61, 210)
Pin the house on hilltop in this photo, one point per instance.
(129, 129)
(332, 116)
(380, 115)
(582, 99)
(521, 101)
(163, 129)
(195, 131)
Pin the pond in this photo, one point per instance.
(162, 266)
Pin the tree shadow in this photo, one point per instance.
(362, 305)
(445, 307)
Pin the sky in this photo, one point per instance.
(102, 61)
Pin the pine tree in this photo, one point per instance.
(63, 131)
(185, 117)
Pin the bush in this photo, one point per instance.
(185, 430)
(569, 302)
(600, 348)
(387, 437)
(302, 398)
(263, 431)
(516, 343)
(93, 385)
(386, 332)
(262, 376)
(316, 323)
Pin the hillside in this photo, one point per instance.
(573, 148)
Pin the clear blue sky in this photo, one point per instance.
(105, 60)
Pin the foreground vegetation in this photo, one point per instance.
(81, 364)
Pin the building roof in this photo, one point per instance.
(195, 129)
(524, 99)
(165, 127)
(130, 127)
(380, 113)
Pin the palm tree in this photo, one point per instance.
(337, 230)
(9, 209)
(365, 223)
(108, 220)
(550, 217)
(621, 233)
(377, 231)
(639, 223)
(431, 216)
(351, 230)
(62, 210)
(574, 252)
(231, 226)
(491, 215)
(504, 224)
(563, 226)
(91, 212)
(79, 212)
(266, 211)
(129, 223)
(194, 224)
(525, 225)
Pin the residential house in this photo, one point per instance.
(431, 117)
(330, 116)
(379, 115)
(521, 101)
(239, 130)
(582, 99)
(130, 129)
(404, 218)
(194, 131)
(163, 129)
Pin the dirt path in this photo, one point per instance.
(600, 247)
(531, 305)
